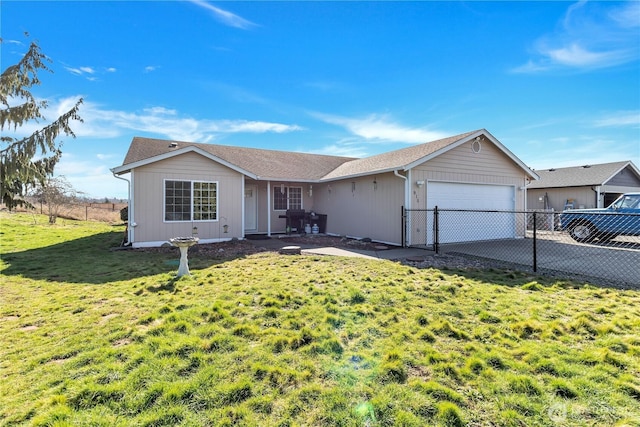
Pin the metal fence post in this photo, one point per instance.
(436, 230)
(535, 241)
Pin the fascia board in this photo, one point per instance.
(361, 174)
(126, 168)
(288, 179)
(474, 135)
(630, 164)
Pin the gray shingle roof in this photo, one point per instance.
(266, 164)
(391, 160)
(294, 166)
(578, 176)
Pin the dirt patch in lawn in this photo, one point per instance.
(239, 248)
(331, 241)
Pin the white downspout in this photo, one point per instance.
(407, 204)
(243, 209)
(130, 215)
(269, 208)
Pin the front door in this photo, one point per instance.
(250, 208)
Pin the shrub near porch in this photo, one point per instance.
(103, 337)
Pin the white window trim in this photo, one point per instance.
(191, 181)
(277, 187)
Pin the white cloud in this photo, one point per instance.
(234, 126)
(102, 123)
(620, 119)
(165, 122)
(76, 71)
(627, 16)
(90, 73)
(342, 148)
(577, 56)
(93, 178)
(150, 68)
(592, 35)
(160, 110)
(380, 129)
(530, 67)
(224, 16)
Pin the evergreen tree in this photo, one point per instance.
(27, 161)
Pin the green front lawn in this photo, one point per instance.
(98, 337)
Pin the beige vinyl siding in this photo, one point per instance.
(584, 197)
(278, 225)
(368, 210)
(461, 164)
(148, 190)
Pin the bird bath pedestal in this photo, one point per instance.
(183, 243)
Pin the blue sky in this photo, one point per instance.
(557, 82)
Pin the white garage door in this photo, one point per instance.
(471, 226)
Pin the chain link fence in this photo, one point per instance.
(598, 248)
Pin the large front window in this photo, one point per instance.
(190, 201)
(287, 198)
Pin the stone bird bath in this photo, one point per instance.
(183, 243)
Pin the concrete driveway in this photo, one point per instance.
(606, 262)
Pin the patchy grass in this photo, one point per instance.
(98, 337)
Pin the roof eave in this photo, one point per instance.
(189, 149)
(626, 164)
(120, 170)
(468, 138)
(287, 179)
(542, 187)
(361, 174)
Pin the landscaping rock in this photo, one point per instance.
(290, 250)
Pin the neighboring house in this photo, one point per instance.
(589, 186)
(229, 192)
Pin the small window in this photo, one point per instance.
(295, 198)
(287, 198)
(190, 201)
(205, 201)
(280, 198)
(476, 146)
(177, 203)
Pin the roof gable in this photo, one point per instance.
(581, 176)
(410, 157)
(254, 162)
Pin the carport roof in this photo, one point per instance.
(581, 176)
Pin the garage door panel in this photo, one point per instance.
(471, 226)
